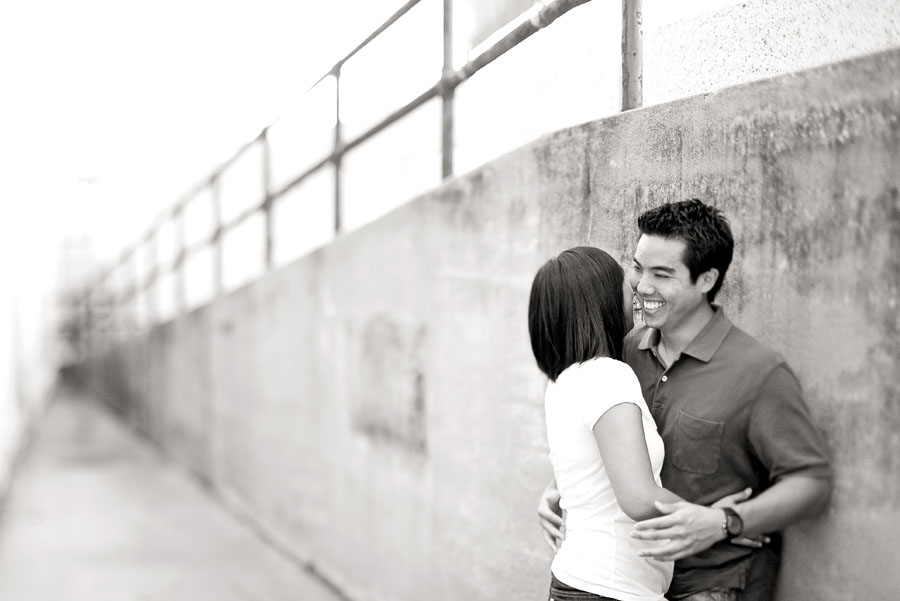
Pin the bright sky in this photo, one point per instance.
(112, 109)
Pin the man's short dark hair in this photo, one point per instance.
(575, 312)
(703, 228)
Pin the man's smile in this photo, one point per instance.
(652, 305)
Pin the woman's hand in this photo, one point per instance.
(550, 517)
(688, 529)
(685, 528)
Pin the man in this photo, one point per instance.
(729, 410)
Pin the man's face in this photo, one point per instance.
(662, 283)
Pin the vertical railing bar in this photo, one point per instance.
(377, 32)
(115, 303)
(84, 321)
(216, 200)
(338, 150)
(180, 256)
(450, 79)
(632, 55)
(153, 284)
(267, 191)
(447, 94)
(111, 307)
(134, 289)
(126, 292)
(89, 325)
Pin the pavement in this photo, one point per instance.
(95, 513)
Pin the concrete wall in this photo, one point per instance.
(570, 73)
(374, 407)
(705, 45)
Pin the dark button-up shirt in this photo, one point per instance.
(731, 415)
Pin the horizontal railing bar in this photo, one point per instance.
(547, 14)
(378, 31)
(542, 17)
(412, 105)
(181, 204)
(198, 245)
(151, 278)
(241, 218)
(303, 175)
(217, 172)
(421, 99)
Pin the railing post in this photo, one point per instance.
(134, 290)
(543, 13)
(632, 54)
(151, 287)
(267, 190)
(216, 199)
(90, 321)
(112, 305)
(84, 324)
(178, 265)
(447, 93)
(338, 149)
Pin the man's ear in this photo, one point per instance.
(708, 279)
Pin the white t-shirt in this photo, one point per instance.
(598, 555)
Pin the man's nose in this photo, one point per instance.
(643, 286)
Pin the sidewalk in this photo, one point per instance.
(95, 514)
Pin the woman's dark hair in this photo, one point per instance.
(575, 312)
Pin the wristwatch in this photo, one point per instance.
(732, 525)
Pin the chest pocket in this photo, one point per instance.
(698, 444)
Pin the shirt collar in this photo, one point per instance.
(704, 345)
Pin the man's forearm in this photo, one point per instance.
(687, 529)
(787, 501)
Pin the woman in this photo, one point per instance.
(604, 447)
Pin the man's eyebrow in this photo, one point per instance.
(669, 270)
(662, 268)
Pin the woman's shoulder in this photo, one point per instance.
(611, 370)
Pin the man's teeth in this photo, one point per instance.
(652, 305)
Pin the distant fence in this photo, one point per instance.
(92, 309)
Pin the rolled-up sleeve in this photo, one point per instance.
(781, 430)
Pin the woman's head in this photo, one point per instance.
(576, 311)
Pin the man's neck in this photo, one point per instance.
(676, 340)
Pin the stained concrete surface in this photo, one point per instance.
(375, 404)
(96, 514)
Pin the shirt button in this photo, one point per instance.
(664, 378)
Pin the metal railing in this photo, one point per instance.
(96, 300)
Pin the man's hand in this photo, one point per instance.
(550, 517)
(686, 529)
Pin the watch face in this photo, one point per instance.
(733, 524)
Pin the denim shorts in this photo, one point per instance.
(563, 592)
